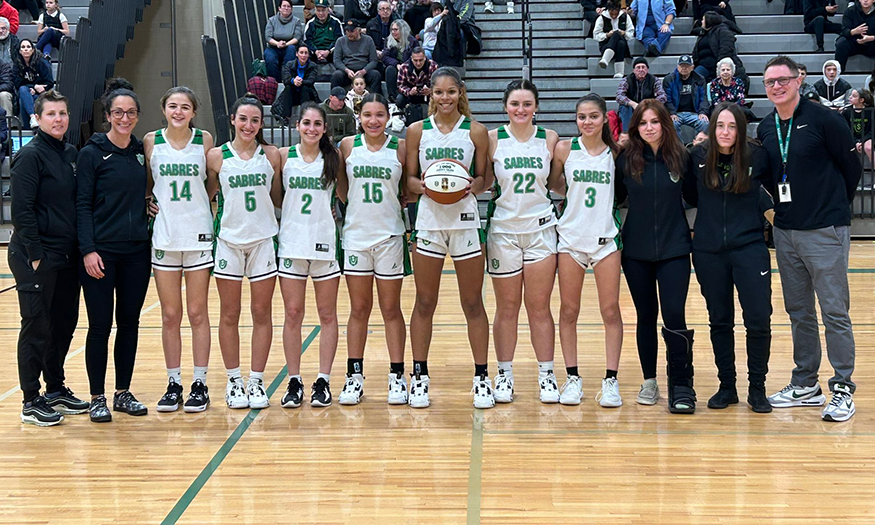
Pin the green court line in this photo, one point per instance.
(475, 469)
(202, 478)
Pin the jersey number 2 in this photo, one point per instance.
(308, 200)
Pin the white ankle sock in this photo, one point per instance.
(175, 375)
(506, 367)
(200, 372)
(326, 377)
(544, 367)
(233, 373)
(253, 375)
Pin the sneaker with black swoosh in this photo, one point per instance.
(797, 396)
(841, 406)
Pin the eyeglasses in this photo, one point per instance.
(781, 81)
(119, 114)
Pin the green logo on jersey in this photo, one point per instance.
(495, 264)
(425, 242)
(287, 263)
(470, 243)
(141, 159)
(353, 260)
(674, 177)
(222, 264)
(159, 254)
(395, 266)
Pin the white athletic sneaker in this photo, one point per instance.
(503, 388)
(489, 8)
(352, 392)
(482, 390)
(510, 8)
(397, 389)
(572, 391)
(418, 391)
(649, 393)
(257, 395)
(235, 393)
(549, 388)
(797, 396)
(841, 406)
(609, 396)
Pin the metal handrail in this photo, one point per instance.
(527, 40)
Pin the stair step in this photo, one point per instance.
(745, 44)
(487, 25)
(664, 65)
(607, 87)
(492, 85)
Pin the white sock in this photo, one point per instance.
(296, 376)
(544, 367)
(253, 375)
(175, 375)
(358, 377)
(506, 367)
(233, 373)
(200, 372)
(326, 377)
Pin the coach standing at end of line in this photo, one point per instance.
(816, 170)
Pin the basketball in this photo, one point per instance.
(445, 181)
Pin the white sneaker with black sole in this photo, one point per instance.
(482, 390)
(235, 394)
(488, 8)
(503, 390)
(797, 396)
(419, 391)
(257, 395)
(572, 391)
(549, 388)
(397, 389)
(609, 395)
(353, 391)
(38, 412)
(841, 406)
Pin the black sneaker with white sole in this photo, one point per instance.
(98, 411)
(199, 397)
(321, 394)
(38, 412)
(172, 398)
(127, 403)
(294, 395)
(65, 402)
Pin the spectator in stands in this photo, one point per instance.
(613, 31)
(654, 26)
(858, 32)
(805, 88)
(11, 15)
(431, 27)
(860, 120)
(341, 119)
(715, 44)
(726, 87)
(321, 33)
(8, 42)
(399, 48)
(51, 26)
(299, 77)
(816, 19)
(355, 96)
(721, 7)
(33, 76)
(685, 96)
(378, 28)
(832, 89)
(414, 79)
(355, 56)
(417, 15)
(361, 11)
(31, 5)
(7, 87)
(591, 11)
(634, 88)
(282, 33)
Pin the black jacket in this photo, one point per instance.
(448, 50)
(290, 71)
(854, 16)
(725, 220)
(44, 197)
(656, 226)
(111, 197)
(38, 72)
(7, 78)
(378, 31)
(716, 43)
(823, 168)
(815, 8)
(352, 9)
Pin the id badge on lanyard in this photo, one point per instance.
(784, 194)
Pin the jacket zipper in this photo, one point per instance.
(655, 212)
(725, 243)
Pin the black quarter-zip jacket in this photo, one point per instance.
(725, 220)
(656, 226)
(111, 197)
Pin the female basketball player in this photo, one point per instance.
(248, 170)
(374, 245)
(452, 229)
(656, 249)
(308, 247)
(589, 236)
(182, 241)
(521, 238)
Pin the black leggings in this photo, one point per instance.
(673, 276)
(618, 44)
(125, 281)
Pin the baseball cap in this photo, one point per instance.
(351, 24)
(685, 59)
(338, 92)
(322, 3)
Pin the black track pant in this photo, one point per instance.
(124, 285)
(821, 25)
(49, 302)
(746, 269)
(673, 279)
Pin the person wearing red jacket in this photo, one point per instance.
(11, 14)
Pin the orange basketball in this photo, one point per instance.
(446, 180)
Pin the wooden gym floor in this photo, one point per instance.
(525, 463)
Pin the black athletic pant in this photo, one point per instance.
(747, 269)
(49, 302)
(846, 48)
(821, 25)
(619, 44)
(673, 278)
(31, 5)
(124, 285)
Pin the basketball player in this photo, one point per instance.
(454, 229)
(589, 237)
(182, 241)
(308, 248)
(374, 245)
(521, 239)
(248, 171)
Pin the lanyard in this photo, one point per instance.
(783, 143)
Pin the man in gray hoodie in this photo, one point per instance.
(355, 55)
(832, 88)
(282, 34)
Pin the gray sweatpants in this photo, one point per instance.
(816, 262)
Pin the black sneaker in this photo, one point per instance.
(38, 412)
(294, 394)
(171, 399)
(724, 397)
(98, 411)
(756, 398)
(321, 396)
(65, 402)
(127, 403)
(199, 398)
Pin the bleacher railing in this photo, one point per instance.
(527, 40)
(863, 206)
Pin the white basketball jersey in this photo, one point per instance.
(373, 212)
(307, 228)
(185, 222)
(245, 213)
(590, 218)
(435, 146)
(520, 202)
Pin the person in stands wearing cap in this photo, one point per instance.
(355, 56)
(320, 34)
(685, 96)
(613, 31)
(636, 87)
(282, 34)
(341, 118)
(654, 24)
(359, 10)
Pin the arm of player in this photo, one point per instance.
(411, 167)
(556, 179)
(483, 174)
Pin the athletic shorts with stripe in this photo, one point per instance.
(588, 260)
(459, 244)
(255, 260)
(506, 253)
(385, 260)
(303, 268)
(178, 261)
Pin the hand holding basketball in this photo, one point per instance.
(446, 181)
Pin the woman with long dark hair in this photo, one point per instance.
(33, 76)
(729, 252)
